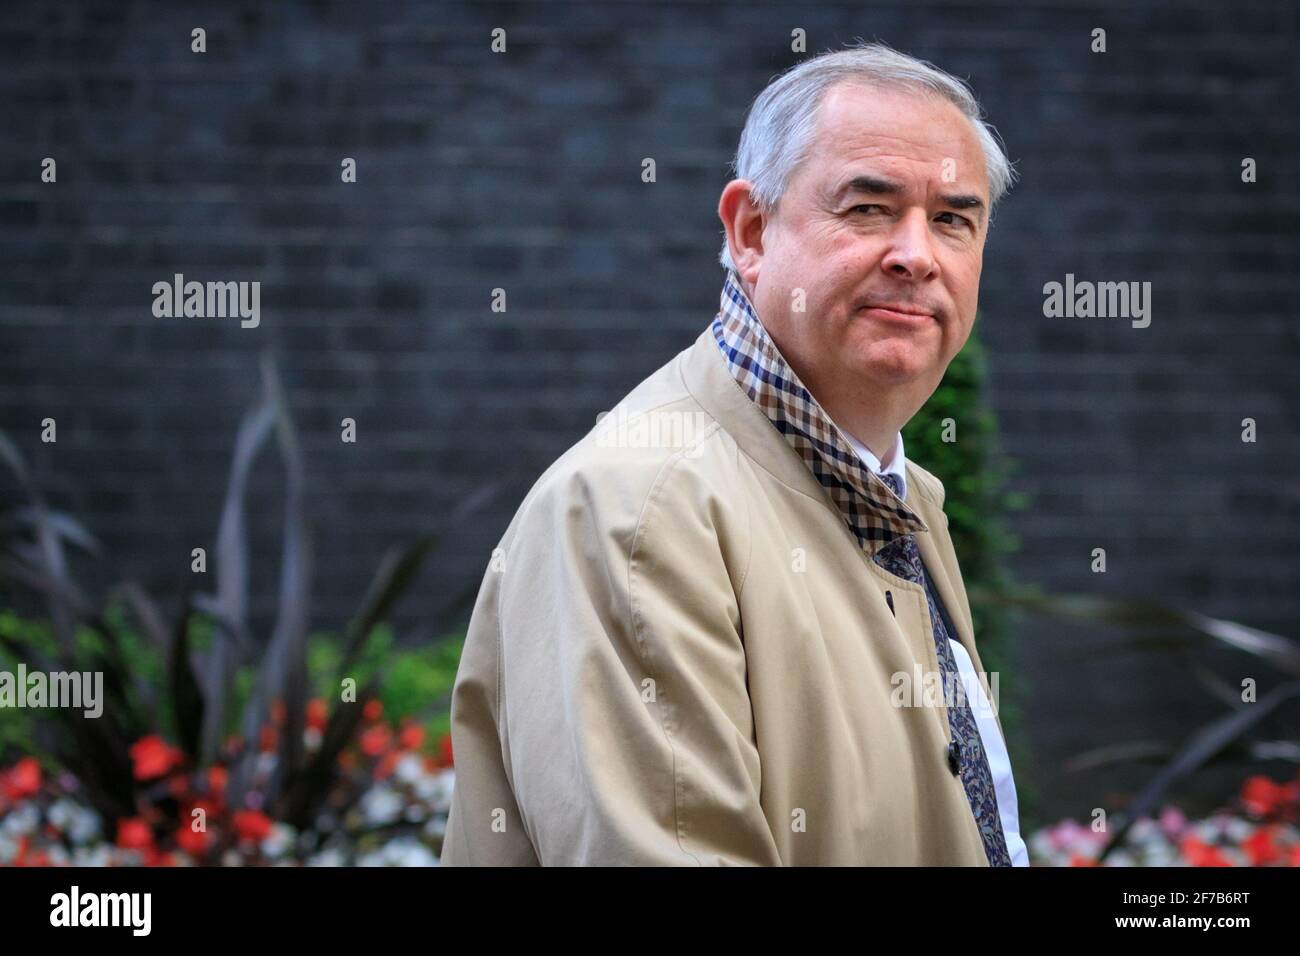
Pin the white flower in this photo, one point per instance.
(80, 824)
(408, 851)
(1143, 829)
(85, 826)
(279, 841)
(99, 855)
(410, 768)
(22, 821)
(436, 828)
(1238, 829)
(59, 856)
(1206, 830)
(381, 804)
(436, 790)
(331, 856)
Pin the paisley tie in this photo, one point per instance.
(902, 558)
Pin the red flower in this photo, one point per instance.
(277, 712)
(1260, 847)
(37, 858)
(133, 833)
(316, 713)
(217, 777)
(1262, 796)
(411, 737)
(22, 780)
(267, 742)
(191, 841)
(374, 741)
(386, 765)
(446, 755)
(1199, 853)
(373, 710)
(252, 825)
(153, 757)
(179, 786)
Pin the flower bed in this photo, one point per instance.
(1259, 829)
(387, 806)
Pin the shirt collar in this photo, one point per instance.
(895, 463)
(873, 512)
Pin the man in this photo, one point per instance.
(690, 643)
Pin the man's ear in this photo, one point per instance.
(744, 222)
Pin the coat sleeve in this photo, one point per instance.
(625, 712)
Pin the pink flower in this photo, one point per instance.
(1172, 821)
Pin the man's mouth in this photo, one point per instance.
(899, 312)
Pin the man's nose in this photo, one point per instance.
(910, 255)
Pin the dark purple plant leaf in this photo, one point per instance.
(231, 602)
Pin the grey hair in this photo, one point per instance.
(782, 122)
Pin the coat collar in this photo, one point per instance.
(873, 512)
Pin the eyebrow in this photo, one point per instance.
(875, 186)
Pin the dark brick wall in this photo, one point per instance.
(521, 171)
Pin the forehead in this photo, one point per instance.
(904, 132)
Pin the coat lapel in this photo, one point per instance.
(941, 565)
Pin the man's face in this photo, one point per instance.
(890, 265)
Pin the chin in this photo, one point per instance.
(892, 364)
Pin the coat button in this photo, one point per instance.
(954, 756)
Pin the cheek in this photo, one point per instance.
(964, 284)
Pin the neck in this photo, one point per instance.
(871, 413)
(886, 453)
(875, 429)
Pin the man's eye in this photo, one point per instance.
(956, 220)
(868, 206)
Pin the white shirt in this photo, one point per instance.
(995, 748)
